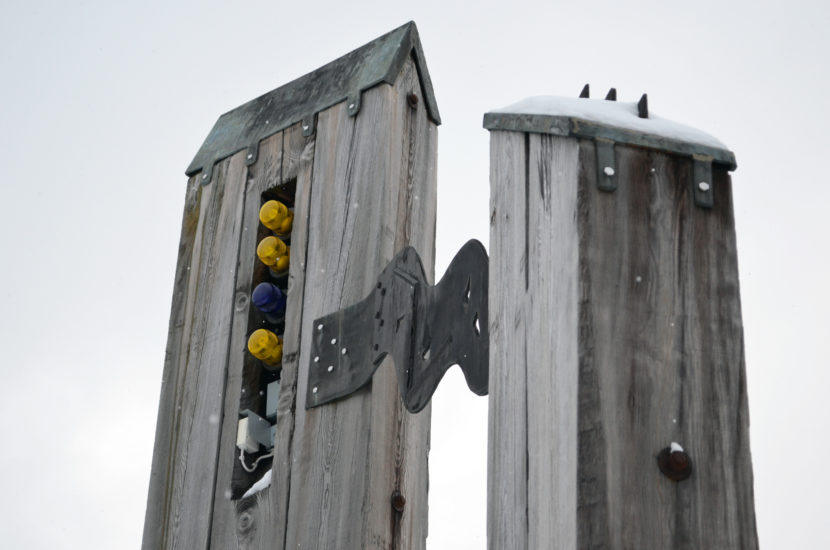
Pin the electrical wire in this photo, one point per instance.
(256, 462)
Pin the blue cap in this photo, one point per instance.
(268, 298)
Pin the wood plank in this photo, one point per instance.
(158, 494)
(259, 520)
(172, 427)
(259, 177)
(507, 440)
(417, 210)
(661, 356)
(629, 303)
(344, 456)
(192, 471)
(552, 326)
(298, 162)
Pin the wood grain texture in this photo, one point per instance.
(365, 188)
(158, 494)
(259, 177)
(181, 512)
(258, 521)
(346, 456)
(552, 315)
(662, 358)
(507, 446)
(634, 293)
(298, 161)
(417, 213)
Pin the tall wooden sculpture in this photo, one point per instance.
(618, 408)
(326, 178)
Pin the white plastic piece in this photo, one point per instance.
(261, 484)
(676, 448)
(244, 441)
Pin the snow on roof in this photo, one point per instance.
(615, 120)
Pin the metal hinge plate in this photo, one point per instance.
(426, 329)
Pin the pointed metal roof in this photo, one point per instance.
(379, 61)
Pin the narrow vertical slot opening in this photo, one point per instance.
(267, 315)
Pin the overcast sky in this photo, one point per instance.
(104, 104)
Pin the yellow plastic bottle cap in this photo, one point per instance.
(272, 214)
(270, 249)
(285, 226)
(282, 263)
(265, 346)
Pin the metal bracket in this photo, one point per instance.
(426, 329)
(259, 429)
(309, 125)
(207, 174)
(252, 154)
(606, 165)
(702, 181)
(353, 103)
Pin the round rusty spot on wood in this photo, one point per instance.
(398, 501)
(412, 99)
(675, 465)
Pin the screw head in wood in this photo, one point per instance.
(398, 501)
(675, 463)
(412, 100)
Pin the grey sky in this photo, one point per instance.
(105, 103)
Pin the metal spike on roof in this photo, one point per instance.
(642, 106)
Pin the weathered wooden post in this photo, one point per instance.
(616, 334)
(350, 149)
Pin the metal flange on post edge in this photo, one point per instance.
(426, 329)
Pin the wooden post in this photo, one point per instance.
(615, 327)
(352, 147)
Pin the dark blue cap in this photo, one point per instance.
(268, 298)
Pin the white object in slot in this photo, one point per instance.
(244, 440)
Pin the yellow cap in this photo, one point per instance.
(270, 249)
(275, 216)
(285, 226)
(282, 262)
(265, 346)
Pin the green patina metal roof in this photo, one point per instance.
(379, 61)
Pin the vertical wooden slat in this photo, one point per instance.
(552, 316)
(507, 458)
(158, 494)
(258, 521)
(203, 397)
(298, 162)
(417, 210)
(190, 469)
(259, 177)
(344, 463)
